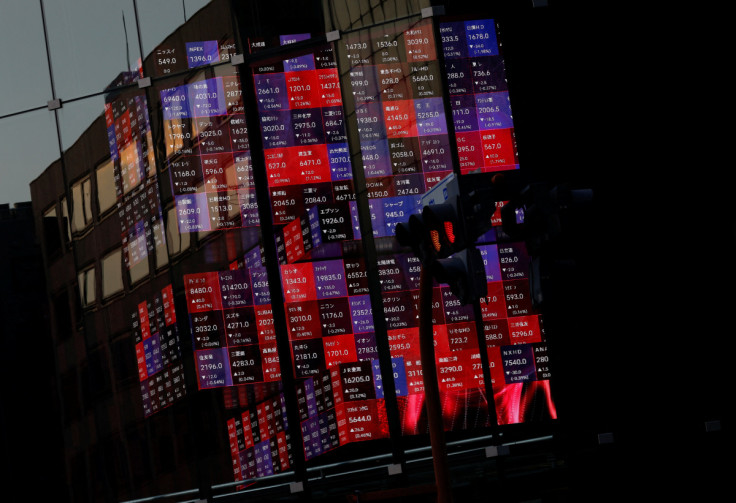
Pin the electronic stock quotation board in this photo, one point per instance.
(395, 75)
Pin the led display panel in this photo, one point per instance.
(396, 81)
(483, 124)
(231, 326)
(207, 152)
(134, 166)
(158, 351)
(259, 439)
(303, 132)
(479, 97)
(397, 91)
(323, 276)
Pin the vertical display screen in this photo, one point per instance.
(397, 88)
(396, 80)
(134, 166)
(323, 276)
(304, 140)
(479, 97)
(158, 351)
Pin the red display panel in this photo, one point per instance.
(303, 131)
(158, 352)
(231, 327)
(134, 166)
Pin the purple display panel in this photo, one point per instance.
(213, 368)
(207, 98)
(361, 313)
(193, 212)
(481, 38)
(202, 53)
(339, 159)
(430, 116)
(329, 278)
(299, 63)
(175, 103)
(518, 363)
(235, 288)
(271, 92)
(479, 98)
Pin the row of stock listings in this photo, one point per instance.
(397, 90)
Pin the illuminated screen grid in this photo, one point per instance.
(158, 352)
(328, 313)
(396, 81)
(479, 98)
(484, 130)
(134, 166)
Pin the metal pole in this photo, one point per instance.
(431, 389)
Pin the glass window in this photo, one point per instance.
(138, 271)
(87, 198)
(86, 281)
(28, 142)
(91, 44)
(65, 215)
(106, 195)
(162, 256)
(82, 200)
(112, 275)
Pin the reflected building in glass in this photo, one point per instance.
(228, 304)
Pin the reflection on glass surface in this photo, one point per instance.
(86, 279)
(65, 215)
(106, 196)
(178, 242)
(90, 42)
(27, 85)
(28, 144)
(82, 204)
(162, 255)
(77, 117)
(138, 271)
(112, 275)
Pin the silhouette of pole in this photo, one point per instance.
(431, 389)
